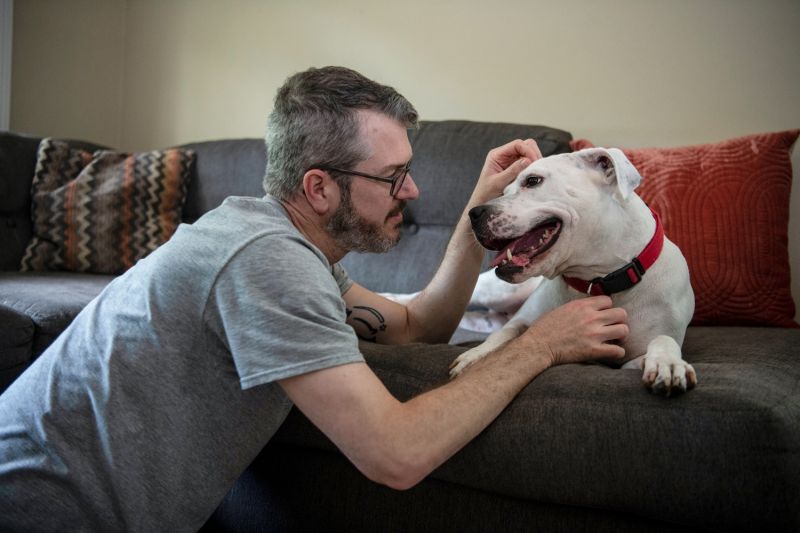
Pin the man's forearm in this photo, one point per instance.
(398, 443)
(436, 425)
(436, 311)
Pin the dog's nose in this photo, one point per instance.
(476, 213)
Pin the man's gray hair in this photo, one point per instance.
(315, 123)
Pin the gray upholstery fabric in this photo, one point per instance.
(17, 163)
(448, 157)
(15, 344)
(224, 168)
(590, 436)
(583, 447)
(406, 268)
(50, 299)
(269, 497)
(17, 158)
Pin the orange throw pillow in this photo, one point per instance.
(726, 205)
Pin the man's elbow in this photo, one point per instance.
(398, 474)
(441, 334)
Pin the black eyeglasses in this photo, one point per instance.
(395, 179)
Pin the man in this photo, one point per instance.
(143, 413)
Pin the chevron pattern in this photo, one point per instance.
(726, 205)
(101, 212)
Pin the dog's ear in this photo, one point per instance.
(627, 177)
(617, 168)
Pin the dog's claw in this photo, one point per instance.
(663, 369)
(463, 361)
(456, 367)
(672, 378)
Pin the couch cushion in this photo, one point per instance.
(17, 163)
(15, 344)
(724, 456)
(51, 299)
(448, 157)
(290, 488)
(224, 168)
(726, 205)
(17, 157)
(103, 211)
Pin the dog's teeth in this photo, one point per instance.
(508, 255)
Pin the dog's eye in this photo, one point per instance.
(533, 181)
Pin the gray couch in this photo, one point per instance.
(582, 448)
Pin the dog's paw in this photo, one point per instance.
(461, 362)
(664, 371)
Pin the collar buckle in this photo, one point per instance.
(629, 275)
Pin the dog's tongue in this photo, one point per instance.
(520, 251)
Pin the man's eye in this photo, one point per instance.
(533, 181)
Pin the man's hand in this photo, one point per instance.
(435, 313)
(501, 167)
(581, 330)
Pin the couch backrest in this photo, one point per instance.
(17, 164)
(17, 158)
(448, 156)
(224, 168)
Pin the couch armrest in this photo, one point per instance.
(16, 341)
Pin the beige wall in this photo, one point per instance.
(67, 68)
(140, 74)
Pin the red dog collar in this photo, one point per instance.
(627, 276)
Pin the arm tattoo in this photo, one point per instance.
(366, 321)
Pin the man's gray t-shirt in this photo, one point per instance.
(143, 413)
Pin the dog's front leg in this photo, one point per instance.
(549, 295)
(510, 330)
(664, 369)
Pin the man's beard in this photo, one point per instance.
(353, 233)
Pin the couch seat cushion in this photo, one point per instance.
(50, 299)
(723, 456)
(15, 344)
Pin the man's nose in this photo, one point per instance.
(409, 190)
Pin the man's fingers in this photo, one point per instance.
(615, 315)
(616, 332)
(611, 351)
(505, 156)
(609, 314)
(534, 149)
(599, 302)
(503, 178)
(518, 166)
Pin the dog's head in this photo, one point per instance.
(552, 208)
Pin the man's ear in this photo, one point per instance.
(616, 167)
(321, 191)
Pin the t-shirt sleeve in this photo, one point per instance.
(342, 278)
(281, 314)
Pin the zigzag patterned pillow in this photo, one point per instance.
(104, 211)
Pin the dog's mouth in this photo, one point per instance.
(516, 254)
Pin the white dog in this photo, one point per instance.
(574, 219)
